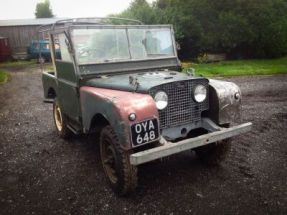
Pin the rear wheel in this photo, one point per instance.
(121, 175)
(213, 154)
(60, 121)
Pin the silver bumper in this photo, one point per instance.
(169, 148)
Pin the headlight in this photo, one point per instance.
(160, 99)
(200, 93)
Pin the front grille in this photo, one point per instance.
(181, 109)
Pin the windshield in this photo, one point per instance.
(105, 45)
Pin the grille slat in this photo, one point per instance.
(181, 109)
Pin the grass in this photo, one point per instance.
(3, 76)
(18, 63)
(240, 67)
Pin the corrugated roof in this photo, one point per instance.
(23, 22)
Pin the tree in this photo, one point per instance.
(239, 28)
(43, 10)
(140, 10)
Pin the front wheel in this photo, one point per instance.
(121, 175)
(213, 154)
(60, 121)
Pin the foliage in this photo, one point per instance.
(43, 10)
(140, 10)
(240, 67)
(202, 58)
(3, 76)
(240, 28)
(18, 64)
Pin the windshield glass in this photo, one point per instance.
(105, 45)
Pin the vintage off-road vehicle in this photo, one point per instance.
(125, 82)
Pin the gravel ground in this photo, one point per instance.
(43, 174)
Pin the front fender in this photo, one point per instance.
(116, 106)
(224, 107)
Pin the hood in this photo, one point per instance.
(140, 82)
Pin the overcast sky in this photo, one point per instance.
(24, 9)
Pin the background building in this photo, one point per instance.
(20, 32)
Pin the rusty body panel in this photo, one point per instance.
(226, 107)
(116, 106)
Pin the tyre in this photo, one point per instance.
(60, 121)
(121, 175)
(213, 154)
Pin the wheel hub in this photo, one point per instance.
(58, 118)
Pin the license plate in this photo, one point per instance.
(144, 132)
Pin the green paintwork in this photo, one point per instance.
(68, 90)
(93, 106)
(49, 83)
(146, 80)
(66, 71)
(129, 66)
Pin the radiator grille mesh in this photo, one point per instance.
(181, 109)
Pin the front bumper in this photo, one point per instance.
(169, 148)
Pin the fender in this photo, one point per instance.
(225, 108)
(116, 106)
(49, 82)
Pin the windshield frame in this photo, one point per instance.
(125, 27)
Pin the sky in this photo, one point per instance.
(25, 9)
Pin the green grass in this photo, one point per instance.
(240, 67)
(19, 63)
(5, 66)
(3, 76)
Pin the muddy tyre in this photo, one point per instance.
(60, 121)
(213, 154)
(121, 175)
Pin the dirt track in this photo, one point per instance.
(42, 174)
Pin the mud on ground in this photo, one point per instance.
(43, 174)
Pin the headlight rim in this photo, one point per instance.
(194, 93)
(156, 102)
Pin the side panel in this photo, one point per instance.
(224, 107)
(67, 88)
(49, 82)
(116, 107)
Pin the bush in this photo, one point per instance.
(3, 76)
(241, 29)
